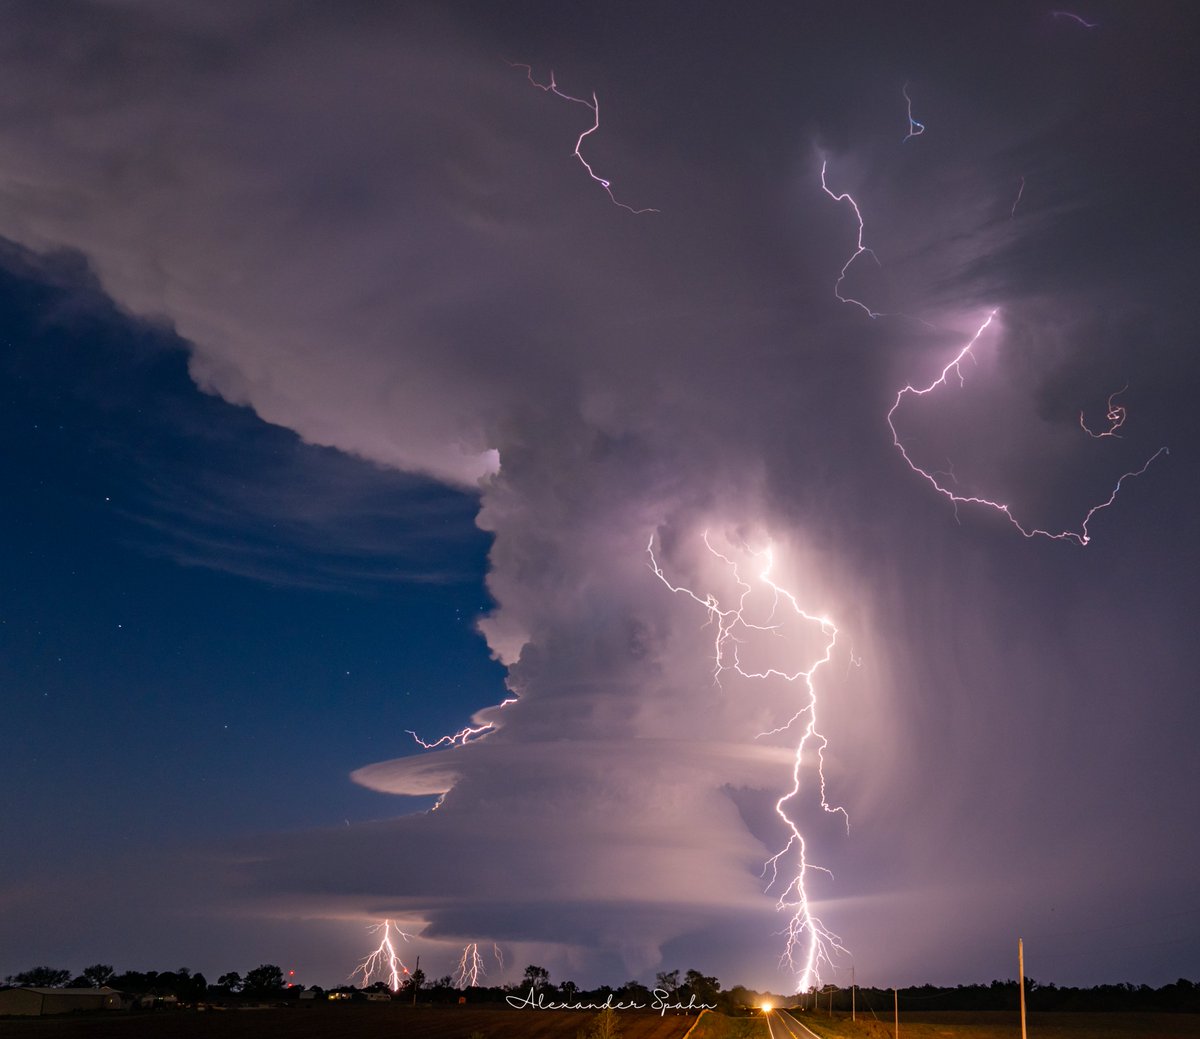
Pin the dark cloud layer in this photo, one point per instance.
(371, 230)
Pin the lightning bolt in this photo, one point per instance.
(915, 129)
(859, 247)
(594, 107)
(1081, 536)
(470, 967)
(1115, 415)
(384, 961)
(465, 735)
(809, 943)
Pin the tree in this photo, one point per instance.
(535, 977)
(705, 989)
(265, 980)
(230, 982)
(635, 992)
(40, 977)
(415, 980)
(98, 974)
(668, 982)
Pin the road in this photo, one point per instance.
(782, 1025)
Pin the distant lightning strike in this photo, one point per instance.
(1080, 536)
(594, 107)
(859, 247)
(915, 129)
(470, 968)
(384, 964)
(809, 943)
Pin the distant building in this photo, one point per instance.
(38, 1002)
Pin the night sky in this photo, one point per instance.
(340, 402)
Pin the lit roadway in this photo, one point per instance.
(780, 1023)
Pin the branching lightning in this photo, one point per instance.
(384, 964)
(465, 735)
(1081, 535)
(594, 107)
(915, 129)
(470, 968)
(1116, 412)
(859, 247)
(755, 608)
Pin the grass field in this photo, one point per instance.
(343, 1022)
(401, 1022)
(986, 1025)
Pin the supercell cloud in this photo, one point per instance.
(371, 230)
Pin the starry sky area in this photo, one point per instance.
(340, 404)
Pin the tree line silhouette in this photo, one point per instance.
(268, 981)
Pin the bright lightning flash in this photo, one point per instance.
(1081, 536)
(594, 107)
(470, 968)
(465, 735)
(384, 964)
(760, 605)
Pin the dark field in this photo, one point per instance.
(341, 1022)
(991, 1025)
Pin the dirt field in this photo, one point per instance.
(341, 1022)
(950, 1025)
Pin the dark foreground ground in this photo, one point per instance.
(990, 1025)
(340, 1022)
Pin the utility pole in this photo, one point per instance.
(896, 1004)
(416, 971)
(1021, 969)
(852, 1012)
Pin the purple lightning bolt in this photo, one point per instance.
(594, 107)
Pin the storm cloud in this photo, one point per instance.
(370, 229)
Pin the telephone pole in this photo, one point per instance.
(1021, 969)
(852, 1011)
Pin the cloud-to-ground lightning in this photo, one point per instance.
(759, 606)
(594, 107)
(470, 967)
(859, 247)
(915, 129)
(384, 964)
(470, 971)
(1115, 414)
(1081, 536)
